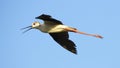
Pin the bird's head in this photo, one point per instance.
(35, 25)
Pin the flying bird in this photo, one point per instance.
(58, 31)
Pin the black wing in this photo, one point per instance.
(63, 39)
(48, 18)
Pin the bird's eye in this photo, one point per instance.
(33, 23)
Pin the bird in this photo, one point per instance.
(58, 31)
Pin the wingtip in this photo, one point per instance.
(43, 16)
(36, 17)
(74, 52)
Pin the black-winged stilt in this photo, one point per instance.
(58, 31)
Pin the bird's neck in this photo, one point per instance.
(45, 28)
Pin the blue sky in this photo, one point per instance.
(35, 49)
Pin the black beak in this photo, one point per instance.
(29, 28)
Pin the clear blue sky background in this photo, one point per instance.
(37, 50)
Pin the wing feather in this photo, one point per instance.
(62, 38)
(48, 19)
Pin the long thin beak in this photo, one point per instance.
(29, 28)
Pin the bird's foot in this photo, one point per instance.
(98, 36)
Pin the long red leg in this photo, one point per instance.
(76, 31)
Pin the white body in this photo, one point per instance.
(52, 28)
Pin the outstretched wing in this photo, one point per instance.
(48, 19)
(62, 38)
